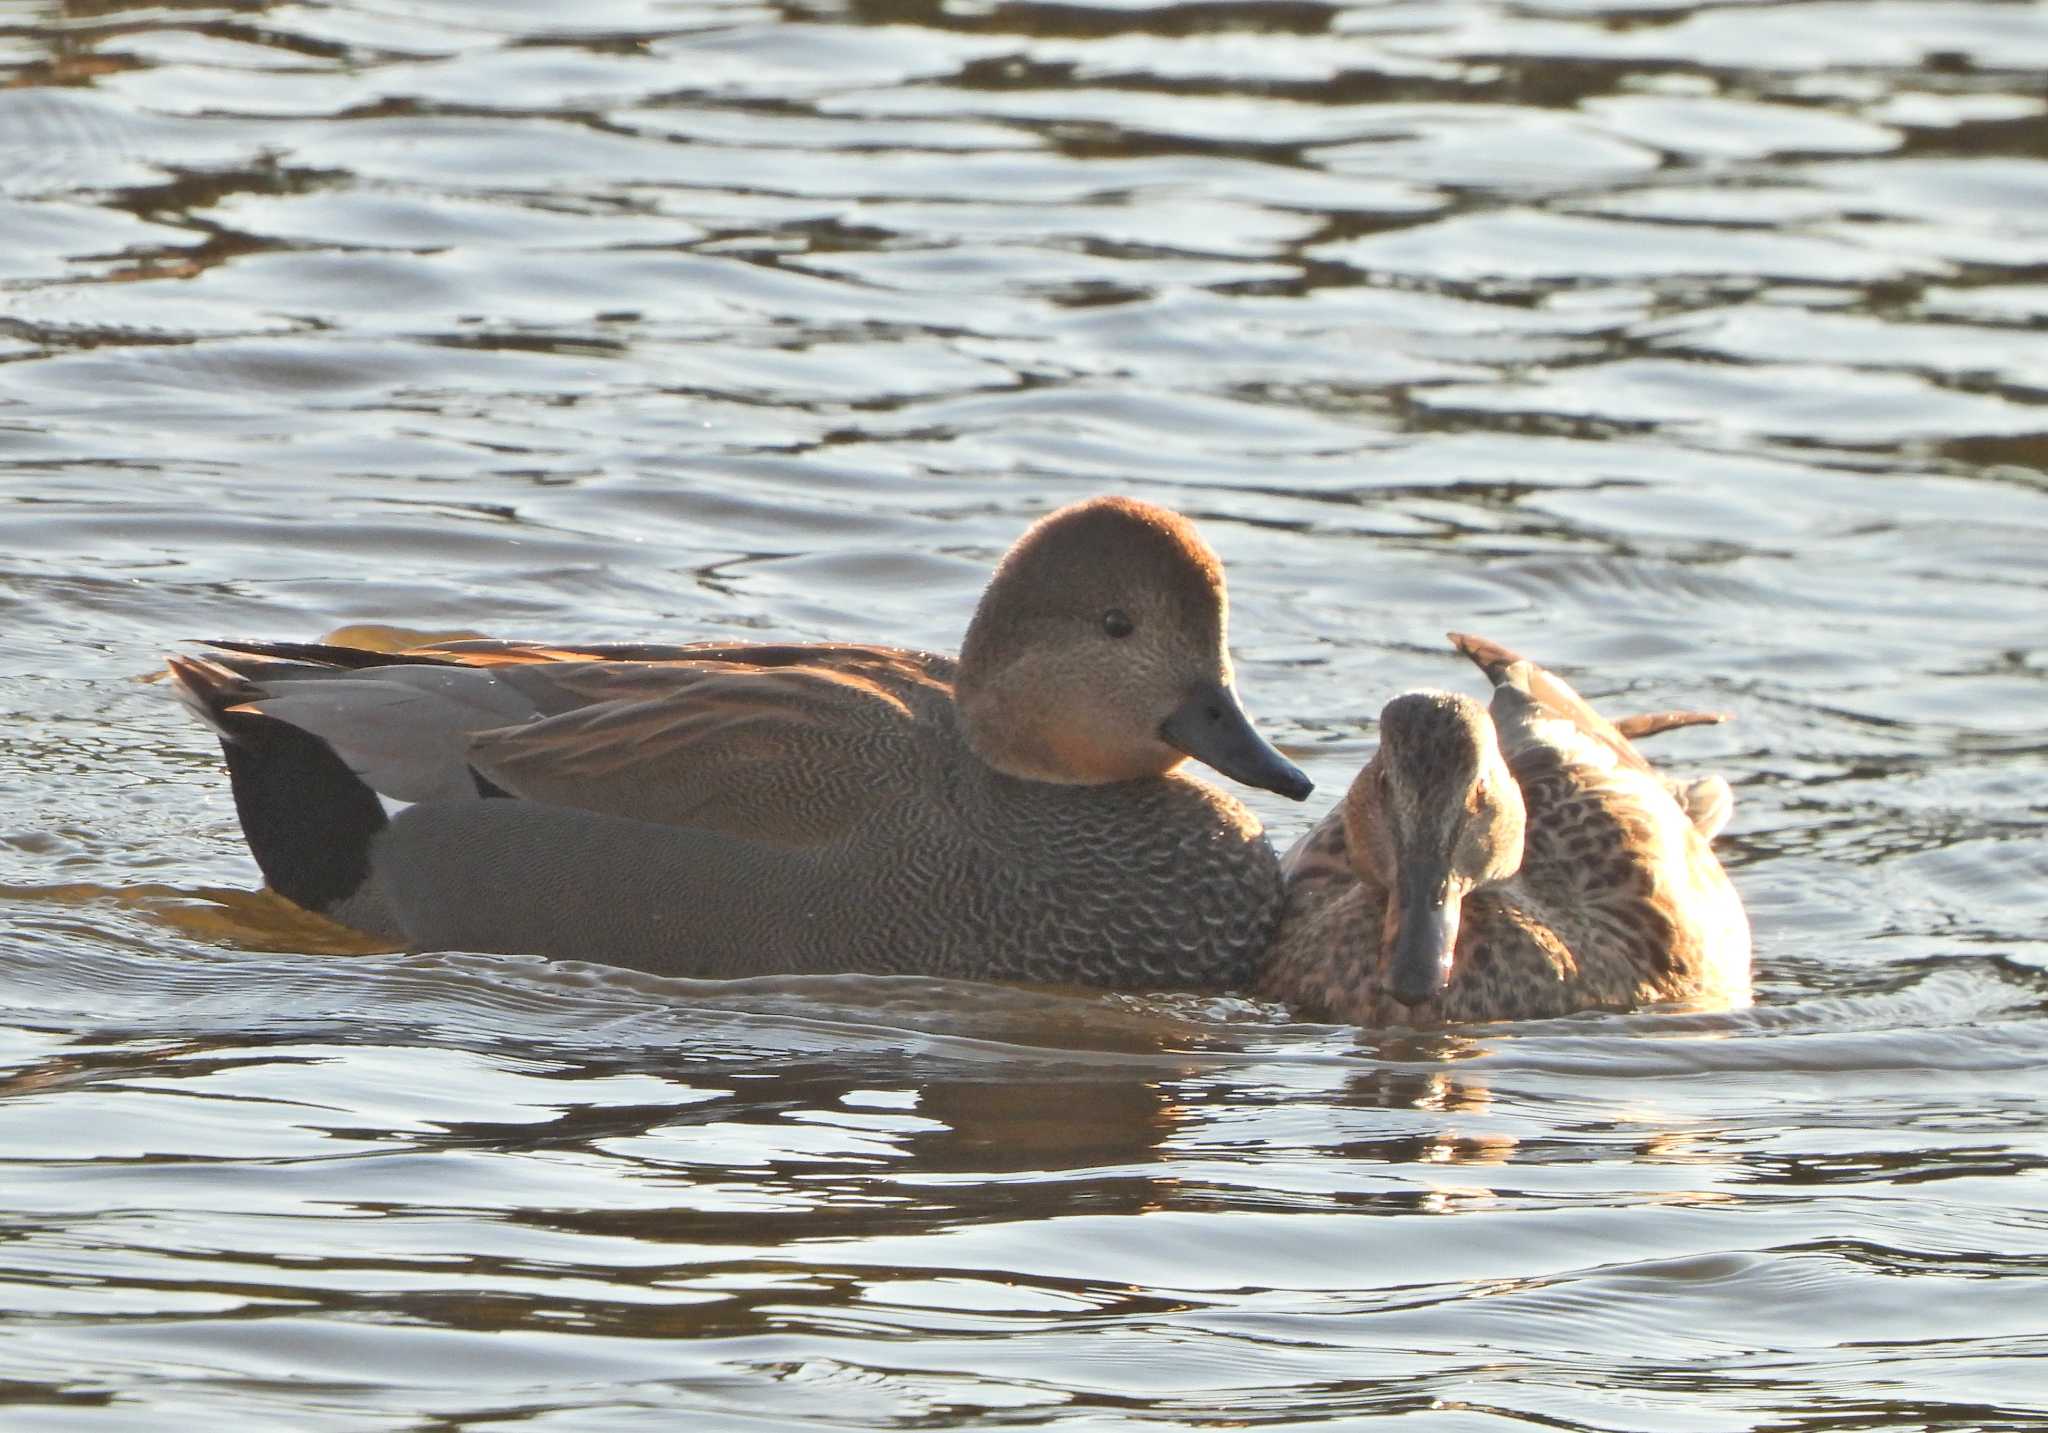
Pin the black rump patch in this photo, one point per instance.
(308, 818)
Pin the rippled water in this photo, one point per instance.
(1701, 351)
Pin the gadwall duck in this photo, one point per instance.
(712, 810)
(1516, 863)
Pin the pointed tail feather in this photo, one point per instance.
(1490, 657)
(1635, 728)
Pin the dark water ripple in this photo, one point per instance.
(1696, 349)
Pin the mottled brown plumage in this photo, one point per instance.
(1512, 863)
(714, 810)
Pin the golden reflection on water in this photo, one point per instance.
(253, 920)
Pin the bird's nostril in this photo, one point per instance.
(1215, 713)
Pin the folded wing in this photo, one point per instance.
(781, 744)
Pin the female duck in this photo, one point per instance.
(748, 810)
(1513, 864)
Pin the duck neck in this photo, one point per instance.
(1005, 738)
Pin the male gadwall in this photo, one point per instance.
(1513, 864)
(712, 810)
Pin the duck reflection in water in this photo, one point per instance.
(1516, 861)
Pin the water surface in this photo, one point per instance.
(1699, 351)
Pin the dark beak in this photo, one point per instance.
(1212, 728)
(1424, 939)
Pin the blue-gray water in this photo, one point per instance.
(1700, 351)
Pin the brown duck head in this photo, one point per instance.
(1433, 816)
(1098, 655)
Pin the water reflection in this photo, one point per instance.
(725, 1177)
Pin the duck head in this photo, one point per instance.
(1098, 655)
(1434, 816)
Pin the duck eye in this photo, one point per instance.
(1117, 622)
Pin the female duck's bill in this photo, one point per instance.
(738, 810)
(1438, 804)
